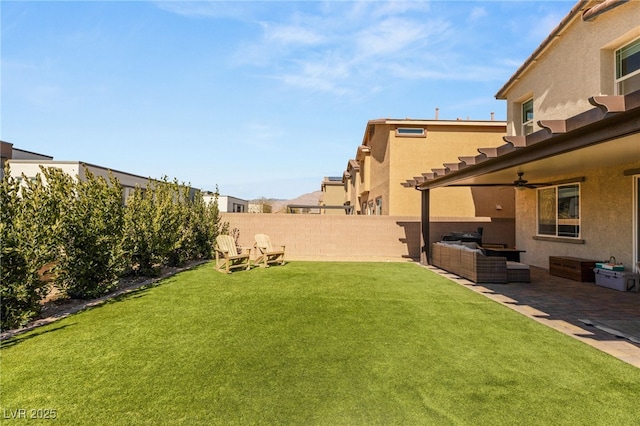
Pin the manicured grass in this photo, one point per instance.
(312, 343)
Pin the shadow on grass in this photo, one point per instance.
(9, 338)
(21, 338)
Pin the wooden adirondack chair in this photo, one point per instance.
(265, 252)
(227, 257)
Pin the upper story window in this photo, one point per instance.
(559, 211)
(628, 68)
(415, 132)
(527, 117)
(379, 205)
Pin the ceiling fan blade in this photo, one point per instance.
(484, 184)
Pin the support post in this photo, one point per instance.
(425, 226)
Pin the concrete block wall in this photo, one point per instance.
(329, 237)
(348, 238)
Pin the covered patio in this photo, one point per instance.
(606, 319)
(602, 140)
(597, 151)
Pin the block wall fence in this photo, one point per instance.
(354, 238)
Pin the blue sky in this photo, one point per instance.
(259, 98)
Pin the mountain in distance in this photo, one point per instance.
(280, 206)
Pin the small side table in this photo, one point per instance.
(512, 255)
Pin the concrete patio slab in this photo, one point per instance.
(606, 319)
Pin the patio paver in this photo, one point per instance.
(606, 319)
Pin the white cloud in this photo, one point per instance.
(544, 26)
(477, 13)
(210, 9)
(290, 35)
(389, 37)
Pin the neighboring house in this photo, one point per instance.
(393, 149)
(28, 164)
(333, 196)
(351, 182)
(30, 168)
(227, 204)
(260, 206)
(573, 111)
(8, 152)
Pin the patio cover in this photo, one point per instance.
(606, 135)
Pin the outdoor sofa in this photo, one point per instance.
(467, 260)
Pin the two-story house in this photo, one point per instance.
(333, 196)
(573, 145)
(391, 149)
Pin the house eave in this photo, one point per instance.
(611, 119)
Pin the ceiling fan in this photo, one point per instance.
(519, 183)
(523, 183)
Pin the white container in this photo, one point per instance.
(617, 280)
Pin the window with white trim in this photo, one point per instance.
(416, 132)
(559, 211)
(628, 68)
(527, 117)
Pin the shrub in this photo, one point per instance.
(82, 228)
(90, 238)
(27, 216)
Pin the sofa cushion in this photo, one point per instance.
(516, 265)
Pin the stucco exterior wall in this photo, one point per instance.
(31, 168)
(412, 156)
(578, 65)
(379, 170)
(333, 194)
(606, 220)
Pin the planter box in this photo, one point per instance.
(621, 281)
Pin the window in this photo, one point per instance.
(410, 132)
(379, 205)
(527, 117)
(559, 211)
(371, 210)
(628, 68)
(364, 208)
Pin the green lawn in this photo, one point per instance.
(312, 343)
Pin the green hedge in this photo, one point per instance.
(83, 228)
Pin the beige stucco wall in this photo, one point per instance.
(379, 169)
(606, 220)
(328, 237)
(444, 143)
(354, 190)
(333, 194)
(355, 238)
(578, 65)
(31, 168)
